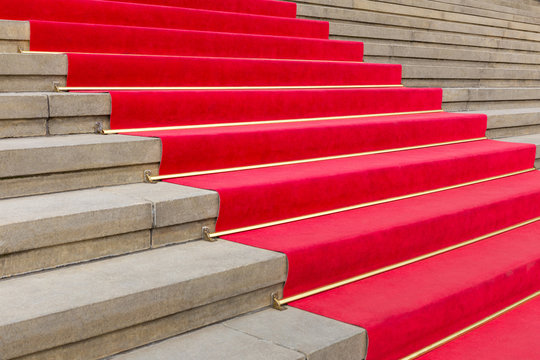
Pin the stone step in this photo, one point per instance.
(45, 231)
(100, 308)
(409, 37)
(40, 165)
(512, 122)
(464, 76)
(529, 11)
(437, 10)
(442, 56)
(32, 72)
(528, 139)
(266, 334)
(14, 35)
(369, 16)
(52, 113)
(466, 99)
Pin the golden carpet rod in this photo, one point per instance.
(210, 236)
(278, 304)
(267, 122)
(152, 179)
(233, 88)
(470, 327)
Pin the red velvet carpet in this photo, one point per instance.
(248, 43)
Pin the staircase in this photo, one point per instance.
(127, 126)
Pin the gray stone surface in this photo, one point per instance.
(49, 309)
(69, 253)
(77, 124)
(23, 106)
(33, 64)
(180, 233)
(79, 104)
(75, 152)
(75, 180)
(14, 30)
(174, 204)
(213, 343)
(527, 139)
(318, 337)
(46, 220)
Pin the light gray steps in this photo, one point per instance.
(522, 10)
(45, 231)
(52, 113)
(32, 72)
(407, 36)
(527, 139)
(466, 99)
(369, 16)
(100, 308)
(267, 334)
(442, 56)
(512, 122)
(462, 76)
(436, 10)
(47, 164)
(14, 35)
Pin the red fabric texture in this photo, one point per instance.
(128, 70)
(409, 308)
(513, 335)
(261, 195)
(165, 108)
(331, 248)
(89, 38)
(259, 7)
(120, 13)
(222, 147)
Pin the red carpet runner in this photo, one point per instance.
(420, 180)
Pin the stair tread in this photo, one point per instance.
(132, 289)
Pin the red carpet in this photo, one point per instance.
(514, 335)
(260, 7)
(207, 43)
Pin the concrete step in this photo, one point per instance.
(51, 113)
(528, 139)
(32, 72)
(14, 35)
(442, 56)
(368, 15)
(466, 99)
(437, 10)
(519, 10)
(45, 231)
(407, 36)
(97, 309)
(40, 165)
(464, 76)
(266, 334)
(512, 122)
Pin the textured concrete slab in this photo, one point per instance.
(50, 309)
(527, 139)
(79, 104)
(75, 180)
(174, 204)
(74, 152)
(14, 30)
(77, 124)
(33, 64)
(23, 106)
(317, 337)
(213, 343)
(47, 220)
(70, 253)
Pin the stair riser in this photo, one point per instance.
(489, 105)
(165, 327)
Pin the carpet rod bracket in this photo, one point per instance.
(98, 128)
(276, 304)
(148, 177)
(206, 234)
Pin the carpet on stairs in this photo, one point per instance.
(421, 179)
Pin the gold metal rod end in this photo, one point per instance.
(276, 304)
(148, 177)
(206, 235)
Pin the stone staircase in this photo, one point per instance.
(484, 54)
(94, 262)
